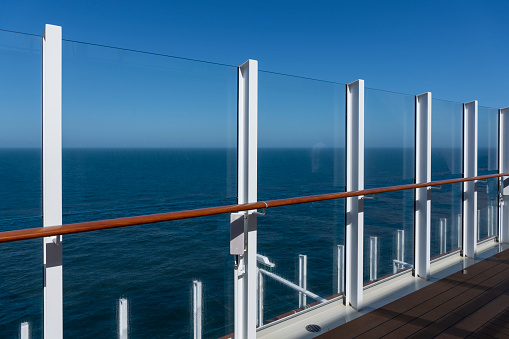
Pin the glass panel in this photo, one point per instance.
(389, 161)
(446, 163)
(20, 181)
(301, 152)
(487, 192)
(144, 134)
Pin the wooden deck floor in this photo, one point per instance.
(473, 303)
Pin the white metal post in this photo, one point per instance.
(123, 319)
(503, 167)
(459, 224)
(422, 213)
(354, 207)
(443, 235)
(261, 292)
(303, 275)
(470, 187)
(341, 269)
(373, 258)
(197, 308)
(400, 250)
(52, 179)
(246, 275)
(24, 330)
(478, 225)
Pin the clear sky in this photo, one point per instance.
(458, 50)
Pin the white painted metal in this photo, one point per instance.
(354, 218)
(52, 179)
(503, 166)
(470, 170)
(341, 269)
(373, 258)
(400, 249)
(478, 225)
(197, 308)
(443, 235)
(491, 220)
(422, 213)
(24, 330)
(303, 274)
(123, 319)
(459, 226)
(292, 285)
(246, 275)
(265, 261)
(261, 291)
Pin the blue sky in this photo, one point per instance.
(458, 50)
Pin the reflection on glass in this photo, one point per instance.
(147, 134)
(20, 182)
(446, 163)
(301, 152)
(487, 192)
(389, 160)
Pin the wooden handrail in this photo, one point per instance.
(39, 232)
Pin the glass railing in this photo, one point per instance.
(20, 181)
(446, 163)
(389, 160)
(145, 134)
(301, 152)
(487, 192)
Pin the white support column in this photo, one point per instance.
(354, 217)
(197, 308)
(422, 213)
(341, 269)
(123, 318)
(52, 179)
(246, 275)
(24, 330)
(470, 187)
(303, 277)
(443, 235)
(261, 293)
(373, 258)
(503, 167)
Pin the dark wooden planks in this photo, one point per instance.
(470, 303)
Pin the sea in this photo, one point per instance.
(154, 266)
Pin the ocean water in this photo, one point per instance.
(153, 266)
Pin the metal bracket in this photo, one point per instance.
(439, 187)
(263, 213)
(369, 197)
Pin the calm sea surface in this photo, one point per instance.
(153, 266)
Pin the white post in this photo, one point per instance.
(52, 179)
(478, 225)
(503, 167)
(373, 258)
(261, 291)
(341, 269)
(422, 213)
(303, 274)
(197, 308)
(470, 187)
(491, 220)
(123, 319)
(459, 224)
(400, 249)
(354, 206)
(443, 235)
(246, 275)
(24, 330)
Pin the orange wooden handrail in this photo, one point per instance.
(39, 232)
